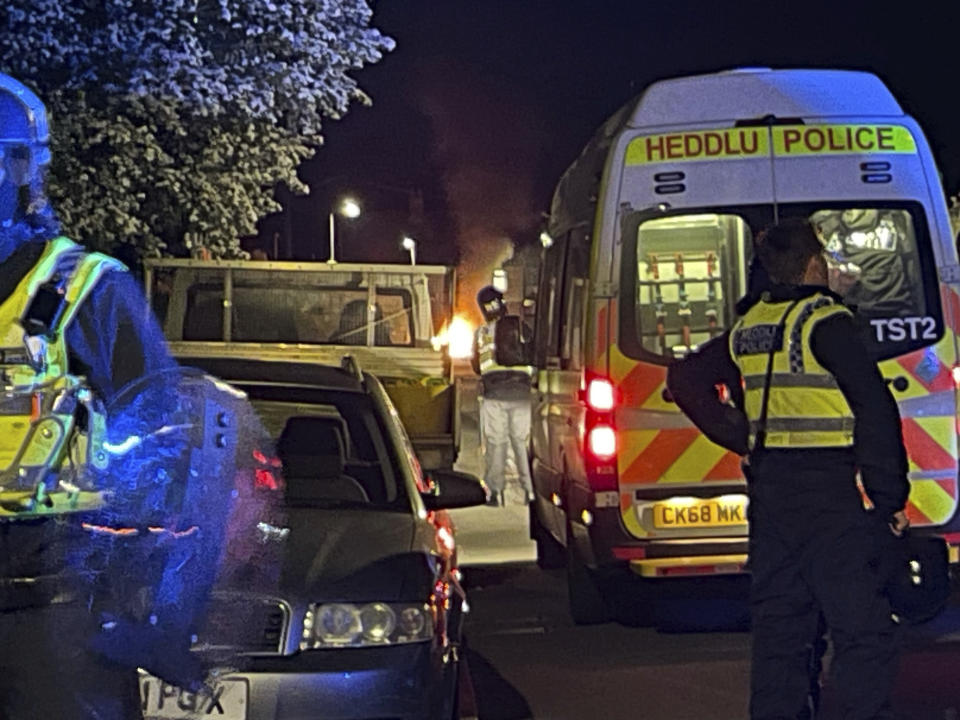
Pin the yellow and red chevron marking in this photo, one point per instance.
(929, 368)
(597, 356)
(668, 455)
(932, 502)
(951, 307)
(603, 340)
(662, 454)
(630, 519)
(931, 444)
(931, 439)
(674, 455)
(640, 384)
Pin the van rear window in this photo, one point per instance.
(872, 253)
(686, 273)
(689, 273)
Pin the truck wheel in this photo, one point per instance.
(587, 604)
(550, 553)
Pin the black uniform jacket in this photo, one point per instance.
(878, 450)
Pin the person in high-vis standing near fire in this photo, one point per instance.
(815, 412)
(103, 452)
(505, 404)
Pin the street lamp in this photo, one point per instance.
(349, 208)
(410, 245)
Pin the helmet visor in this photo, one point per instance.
(17, 164)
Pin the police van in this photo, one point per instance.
(650, 235)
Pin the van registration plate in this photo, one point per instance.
(714, 512)
(160, 700)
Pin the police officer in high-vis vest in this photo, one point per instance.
(75, 335)
(812, 414)
(504, 403)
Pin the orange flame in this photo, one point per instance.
(457, 338)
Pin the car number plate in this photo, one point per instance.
(702, 513)
(227, 700)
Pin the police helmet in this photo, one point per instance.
(24, 132)
(491, 304)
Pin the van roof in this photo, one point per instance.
(722, 98)
(748, 93)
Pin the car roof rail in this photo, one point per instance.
(349, 364)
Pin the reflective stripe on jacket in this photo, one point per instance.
(806, 408)
(38, 406)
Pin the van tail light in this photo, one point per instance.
(602, 442)
(600, 395)
(600, 439)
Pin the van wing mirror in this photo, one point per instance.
(509, 345)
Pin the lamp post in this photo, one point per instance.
(410, 245)
(349, 208)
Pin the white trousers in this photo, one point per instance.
(505, 424)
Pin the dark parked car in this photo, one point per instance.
(368, 619)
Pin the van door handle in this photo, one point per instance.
(899, 383)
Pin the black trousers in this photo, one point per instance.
(813, 550)
(47, 670)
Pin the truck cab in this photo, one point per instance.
(386, 316)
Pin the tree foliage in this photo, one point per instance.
(174, 120)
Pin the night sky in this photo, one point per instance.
(484, 103)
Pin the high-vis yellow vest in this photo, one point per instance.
(40, 399)
(485, 349)
(805, 408)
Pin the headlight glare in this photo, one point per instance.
(346, 625)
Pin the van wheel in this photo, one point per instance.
(587, 604)
(550, 553)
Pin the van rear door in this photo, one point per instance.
(683, 267)
(877, 216)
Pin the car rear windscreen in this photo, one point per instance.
(331, 445)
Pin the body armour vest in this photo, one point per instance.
(805, 407)
(51, 424)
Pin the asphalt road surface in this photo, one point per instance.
(685, 657)
(528, 660)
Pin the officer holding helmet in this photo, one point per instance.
(95, 444)
(504, 403)
(813, 412)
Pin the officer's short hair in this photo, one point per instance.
(785, 249)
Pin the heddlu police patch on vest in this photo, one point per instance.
(758, 340)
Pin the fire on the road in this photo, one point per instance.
(458, 338)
